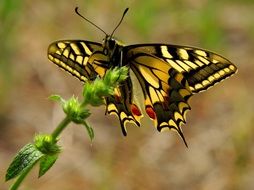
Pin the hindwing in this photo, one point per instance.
(166, 91)
(122, 105)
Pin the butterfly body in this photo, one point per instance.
(168, 76)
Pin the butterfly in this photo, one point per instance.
(167, 74)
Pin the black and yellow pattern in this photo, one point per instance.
(201, 68)
(167, 74)
(79, 58)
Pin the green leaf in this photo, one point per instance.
(46, 162)
(57, 98)
(90, 130)
(25, 158)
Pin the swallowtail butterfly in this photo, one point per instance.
(167, 74)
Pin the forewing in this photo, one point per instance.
(201, 68)
(80, 58)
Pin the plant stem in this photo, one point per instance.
(60, 127)
(21, 177)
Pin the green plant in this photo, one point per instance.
(45, 149)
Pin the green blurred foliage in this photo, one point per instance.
(9, 12)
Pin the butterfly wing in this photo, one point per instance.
(201, 68)
(123, 106)
(82, 59)
(169, 75)
(166, 91)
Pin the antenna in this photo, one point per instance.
(76, 10)
(125, 11)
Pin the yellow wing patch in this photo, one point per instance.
(74, 57)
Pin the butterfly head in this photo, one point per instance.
(109, 42)
(112, 49)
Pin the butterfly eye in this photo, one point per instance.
(111, 44)
(105, 51)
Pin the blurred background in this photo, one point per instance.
(220, 127)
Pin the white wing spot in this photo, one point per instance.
(198, 86)
(61, 45)
(58, 52)
(175, 65)
(183, 54)
(75, 48)
(203, 60)
(56, 60)
(66, 53)
(50, 57)
(79, 59)
(191, 64)
(216, 75)
(211, 78)
(205, 82)
(232, 67)
(221, 72)
(185, 66)
(85, 61)
(199, 63)
(165, 53)
(87, 50)
(215, 61)
(227, 70)
(72, 57)
(201, 52)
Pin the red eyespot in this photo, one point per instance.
(117, 98)
(150, 112)
(135, 110)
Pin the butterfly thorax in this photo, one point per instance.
(113, 50)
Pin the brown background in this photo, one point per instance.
(220, 126)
